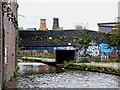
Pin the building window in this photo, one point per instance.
(6, 55)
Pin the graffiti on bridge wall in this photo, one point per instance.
(104, 48)
(104, 57)
(103, 51)
(93, 50)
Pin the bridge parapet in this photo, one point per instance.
(57, 38)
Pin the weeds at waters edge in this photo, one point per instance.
(14, 75)
(93, 68)
(98, 61)
(68, 64)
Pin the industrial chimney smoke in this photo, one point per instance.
(55, 23)
(43, 24)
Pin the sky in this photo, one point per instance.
(69, 12)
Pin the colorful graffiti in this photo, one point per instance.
(102, 52)
(104, 48)
(93, 50)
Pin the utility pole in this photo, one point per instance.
(118, 37)
(1, 45)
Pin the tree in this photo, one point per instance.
(114, 38)
(59, 28)
(81, 26)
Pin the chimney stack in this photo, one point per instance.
(55, 23)
(43, 24)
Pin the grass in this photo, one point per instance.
(99, 61)
(14, 75)
(41, 57)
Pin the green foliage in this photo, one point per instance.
(85, 41)
(83, 66)
(68, 64)
(63, 38)
(59, 28)
(84, 61)
(15, 74)
(20, 41)
(36, 37)
(80, 46)
(50, 51)
(33, 60)
(84, 55)
(94, 68)
(87, 38)
(19, 53)
(32, 38)
(86, 46)
(102, 70)
(114, 38)
(40, 38)
(108, 61)
(81, 26)
(75, 37)
(54, 41)
(4, 3)
(78, 27)
(80, 40)
(11, 77)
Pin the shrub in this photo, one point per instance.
(68, 64)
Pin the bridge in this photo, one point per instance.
(65, 42)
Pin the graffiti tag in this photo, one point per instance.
(104, 48)
(93, 50)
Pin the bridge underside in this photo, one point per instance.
(62, 53)
(50, 48)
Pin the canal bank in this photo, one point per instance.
(109, 68)
(102, 67)
(50, 59)
(39, 75)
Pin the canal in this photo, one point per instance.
(40, 75)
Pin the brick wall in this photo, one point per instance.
(10, 28)
(44, 53)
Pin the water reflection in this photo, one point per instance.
(36, 68)
(39, 75)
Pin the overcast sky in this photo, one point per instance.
(69, 12)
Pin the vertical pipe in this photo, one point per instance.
(1, 44)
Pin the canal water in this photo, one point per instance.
(39, 75)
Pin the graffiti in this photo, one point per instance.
(79, 53)
(105, 48)
(93, 50)
(101, 52)
(113, 54)
(104, 57)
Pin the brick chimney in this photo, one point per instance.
(43, 24)
(55, 23)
